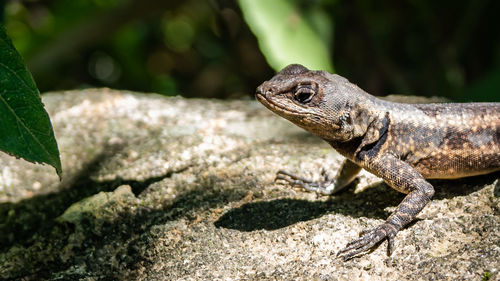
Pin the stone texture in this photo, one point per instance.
(160, 188)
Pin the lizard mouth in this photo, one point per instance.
(308, 120)
(280, 109)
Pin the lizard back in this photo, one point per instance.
(450, 140)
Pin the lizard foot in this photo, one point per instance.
(325, 187)
(368, 239)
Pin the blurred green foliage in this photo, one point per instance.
(194, 48)
(205, 48)
(287, 36)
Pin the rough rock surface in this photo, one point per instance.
(160, 188)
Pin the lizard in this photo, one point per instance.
(404, 144)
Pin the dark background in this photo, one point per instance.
(203, 48)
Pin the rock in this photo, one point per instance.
(159, 188)
(97, 207)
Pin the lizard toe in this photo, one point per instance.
(368, 239)
(322, 187)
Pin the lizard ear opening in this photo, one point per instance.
(304, 93)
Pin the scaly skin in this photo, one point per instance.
(404, 144)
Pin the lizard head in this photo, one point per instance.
(316, 101)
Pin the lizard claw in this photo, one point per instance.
(324, 187)
(368, 239)
(291, 178)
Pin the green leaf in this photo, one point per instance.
(25, 128)
(285, 36)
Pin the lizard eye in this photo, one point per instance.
(304, 93)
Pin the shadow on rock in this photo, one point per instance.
(449, 188)
(131, 230)
(23, 220)
(370, 203)
(272, 215)
(82, 241)
(280, 213)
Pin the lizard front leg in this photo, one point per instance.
(403, 177)
(328, 186)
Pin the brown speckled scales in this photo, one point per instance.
(470, 143)
(404, 144)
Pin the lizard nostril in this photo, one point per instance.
(263, 90)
